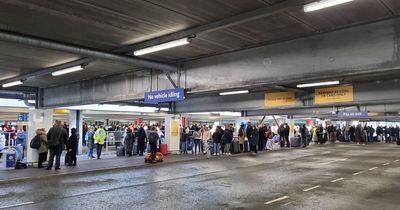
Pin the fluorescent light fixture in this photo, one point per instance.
(318, 84)
(234, 92)
(67, 70)
(31, 101)
(163, 46)
(10, 84)
(323, 4)
(115, 108)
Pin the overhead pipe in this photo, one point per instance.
(75, 49)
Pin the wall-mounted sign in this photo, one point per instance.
(175, 128)
(61, 111)
(361, 114)
(279, 99)
(22, 117)
(170, 95)
(333, 94)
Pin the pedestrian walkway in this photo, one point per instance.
(108, 162)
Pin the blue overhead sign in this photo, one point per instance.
(361, 114)
(22, 117)
(170, 95)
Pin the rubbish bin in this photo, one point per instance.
(9, 158)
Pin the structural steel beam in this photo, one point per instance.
(221, 24)
(79, 50)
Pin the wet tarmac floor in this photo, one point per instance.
(320, 177)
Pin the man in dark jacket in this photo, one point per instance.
(72, 147)
(227, 140)
(141, 141)
(286, 131)
(56, 139)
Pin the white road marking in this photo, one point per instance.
(360, 172)
(373, 168)
(16, 205)
(276, 200)
(333, 161)
(89, 192)
(336, 180)
(312, 188)
(287, 203)
(396, 161)
(386, 164)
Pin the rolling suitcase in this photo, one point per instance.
(270, 145)
(235, 147)
(120, 151)
(164, 149)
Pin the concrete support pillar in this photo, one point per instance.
(76, 121)
(38, 118)
(172, 132)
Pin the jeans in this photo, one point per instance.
(55, 151)
(196, 145)
(98, 150)
(227, 148)
(90, 151)
(253, 147)
(183, 147)
(217, 147)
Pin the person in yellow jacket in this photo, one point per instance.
(99, 138)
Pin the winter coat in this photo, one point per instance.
(196, 135)
(100, 136)
(206, 136)
(217, 135)
(255, 138)
(227, 137)
(89, 139)
(241, 135)
(43, 141)
(21, 137)
(129, 140)
(57, 136)
(72, 143)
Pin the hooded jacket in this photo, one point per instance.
(43, 141)
(100, 136)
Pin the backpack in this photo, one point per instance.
(153, 138)
(36, 142)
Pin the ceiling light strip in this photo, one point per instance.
(323, 4)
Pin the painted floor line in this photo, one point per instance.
(334, 161)
(385, 164)
(276, 200)
(312, 188)
(360, 172)
(89, 192)
(16, 205)
(336, 180)
(396, 161)
(373, 168)
(287, 203)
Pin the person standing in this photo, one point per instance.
(141, 141)
(286, 131)
(217, 136)
(303, 133)
(21, 139)
(72, 147)
(90, 142)
(153, 141)
(42, 150)
(99, 138)
(242, 136)
(228, 137)
(255, 138)
(196, 139)
(129, 140)
(206, 138)
(56, 139)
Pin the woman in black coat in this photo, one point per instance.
(72, 147)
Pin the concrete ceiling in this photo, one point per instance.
(106, 26)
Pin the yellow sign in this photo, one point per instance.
(280, 99)
(175, 128)
(61, 111)
(334, 94)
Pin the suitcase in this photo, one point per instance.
(189, 144)
(246, 146)
(164, 149)
(295, 141)
(235, 147)
(120, 151)
(270, 145)
(68, 159)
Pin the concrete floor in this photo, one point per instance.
(342, 176)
